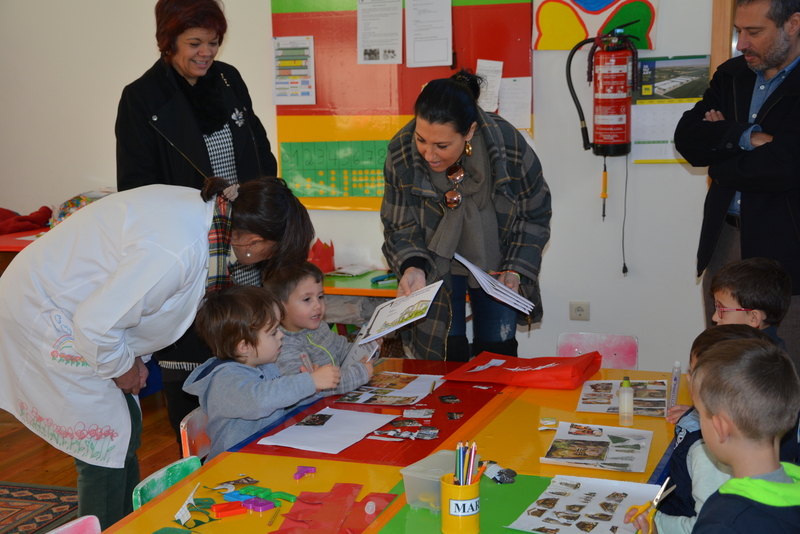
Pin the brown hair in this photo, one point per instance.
(754, 382)
(724, 332)
(758, 284)
(236, 314)
(173, 17)
(284, 282)
(267, 208)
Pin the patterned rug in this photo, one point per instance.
(35, 509)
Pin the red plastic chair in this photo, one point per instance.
(194, 440)
(618, 351)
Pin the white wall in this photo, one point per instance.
(64, 65)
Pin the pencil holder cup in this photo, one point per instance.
(461, 507)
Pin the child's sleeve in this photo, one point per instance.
(289, 361)
(246, 396)
(708, 474)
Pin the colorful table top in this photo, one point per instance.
(503, 420)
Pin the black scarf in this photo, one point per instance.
(206, 100)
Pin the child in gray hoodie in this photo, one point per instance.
(241, 390)
(303, 297)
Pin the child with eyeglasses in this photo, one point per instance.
(755, 292)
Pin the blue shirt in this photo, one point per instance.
(761, 92)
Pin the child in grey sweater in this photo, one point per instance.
(303, 297)
(241, 390)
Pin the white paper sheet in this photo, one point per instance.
(492, 72)
(429, 33)
(515, 101)
(600, 447)
(571, 504)
(380, 32)
(344, 428)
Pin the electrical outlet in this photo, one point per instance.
(578, 311)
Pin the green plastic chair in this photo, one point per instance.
(163, 479)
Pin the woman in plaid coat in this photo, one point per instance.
(459, 179)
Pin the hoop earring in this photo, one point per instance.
(468, 149)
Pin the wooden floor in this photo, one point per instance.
(28, 458)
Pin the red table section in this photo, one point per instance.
(406, 452)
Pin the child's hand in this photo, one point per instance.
(640, 522)
(368, 364)
(676, 412)
(326, 377)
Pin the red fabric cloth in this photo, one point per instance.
(543, 373)
(11, 223)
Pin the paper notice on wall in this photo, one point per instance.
(491, 72)
(380, 32)
(515, 101)
(294, 71)
(429, 33)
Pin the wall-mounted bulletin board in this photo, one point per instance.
(332, 153)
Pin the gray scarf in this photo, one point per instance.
(471, 228)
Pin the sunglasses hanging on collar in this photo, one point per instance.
(455, 175)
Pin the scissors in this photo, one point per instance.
(642, 508)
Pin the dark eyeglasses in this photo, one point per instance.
(455, 174)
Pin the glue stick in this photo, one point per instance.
(626, 403)
(674, 385)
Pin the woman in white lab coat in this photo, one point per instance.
(114, 282)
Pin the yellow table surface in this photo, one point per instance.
(514, 441)
(272, 472)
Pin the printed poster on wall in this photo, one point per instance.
(294, 71)
(380, 32)
(668, 87)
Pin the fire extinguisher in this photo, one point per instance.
(613, 65)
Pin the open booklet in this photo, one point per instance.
(398, 312)
(495, 289)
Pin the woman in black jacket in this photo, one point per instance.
(188, 118)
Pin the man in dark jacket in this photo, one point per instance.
(747, 131)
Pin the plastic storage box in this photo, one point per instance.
(421, 479)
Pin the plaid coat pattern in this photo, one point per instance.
(412, 209)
